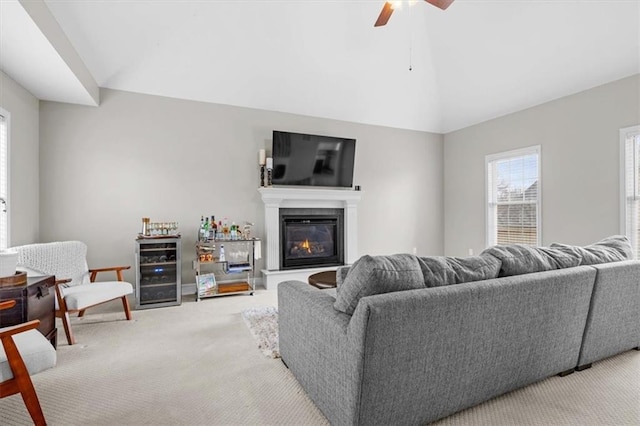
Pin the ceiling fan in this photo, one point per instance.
(389, 7)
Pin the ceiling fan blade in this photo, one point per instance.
(385, 14)
(442, 4)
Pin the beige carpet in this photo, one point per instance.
(198, 364)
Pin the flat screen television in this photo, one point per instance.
(312, 160)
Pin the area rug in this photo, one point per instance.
(263, 324)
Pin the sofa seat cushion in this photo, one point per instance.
(371, 275)
(82, 296)
(441, 270)
(518, 259)
(616, 248)
(35, 350)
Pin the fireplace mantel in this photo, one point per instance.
(275, 198)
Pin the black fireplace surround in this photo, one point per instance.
(311, 238)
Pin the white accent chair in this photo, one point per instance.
(24, 351)
(76, 290)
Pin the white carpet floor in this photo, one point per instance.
(198, 364)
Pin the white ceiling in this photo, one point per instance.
(477, 60)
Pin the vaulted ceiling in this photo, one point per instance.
(427, 69)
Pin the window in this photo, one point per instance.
(630, 179)
(513, 197)
(4, 178)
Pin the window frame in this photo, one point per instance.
(7, 196)
(520, 152)
(625, 229)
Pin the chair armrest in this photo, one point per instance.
(63, 281)
(117, 269)
(7, 304)
(20, 328)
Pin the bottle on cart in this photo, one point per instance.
(225, 229)
(212, 228)
(201, 230)
(220, 235)
(234, 231)
(222, 257)
(206, 229)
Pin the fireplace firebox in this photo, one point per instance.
(311, 238)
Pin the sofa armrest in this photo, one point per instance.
(319, 346)
(303, 309)
(341, 274)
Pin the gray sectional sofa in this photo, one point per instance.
(409, 340)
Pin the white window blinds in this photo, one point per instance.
(631, 186)
(513, 197)
(4, 178)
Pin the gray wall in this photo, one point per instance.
(102, 169)
(579, 136)
(24, 190)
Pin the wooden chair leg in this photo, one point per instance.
(127, 309)
(66, 323)
(63, 314)
(30, 399)
(81, 313)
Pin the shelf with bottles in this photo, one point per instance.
(222, 230)
(156, 230)
(158, 254)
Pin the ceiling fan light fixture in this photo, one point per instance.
(390, 6)
(442, 4)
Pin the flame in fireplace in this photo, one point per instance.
(306, 246)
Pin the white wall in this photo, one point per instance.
(24, 190)
(103, 169)
(580, 165)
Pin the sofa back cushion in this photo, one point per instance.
(440, 270)
(611, 249)
(517, 259)
(371, 275)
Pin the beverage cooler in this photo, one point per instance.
(158, 272)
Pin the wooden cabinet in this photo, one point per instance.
(34, 300)
(158, 272)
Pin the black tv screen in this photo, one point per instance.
(312, 160)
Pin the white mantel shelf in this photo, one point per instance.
(276, 198)
(287, 195)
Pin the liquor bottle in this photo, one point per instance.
(220, 234)
(225, 229)
(206, 229)
(234, 231)
(222, 257)
(201, 230)
(213, 228)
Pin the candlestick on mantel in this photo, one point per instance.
(269, 170)
(261, 157)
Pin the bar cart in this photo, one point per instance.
(225, 267)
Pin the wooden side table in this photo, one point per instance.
(323, 280)
(35, 299)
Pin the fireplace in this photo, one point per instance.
(312, 202)
(311, 238)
